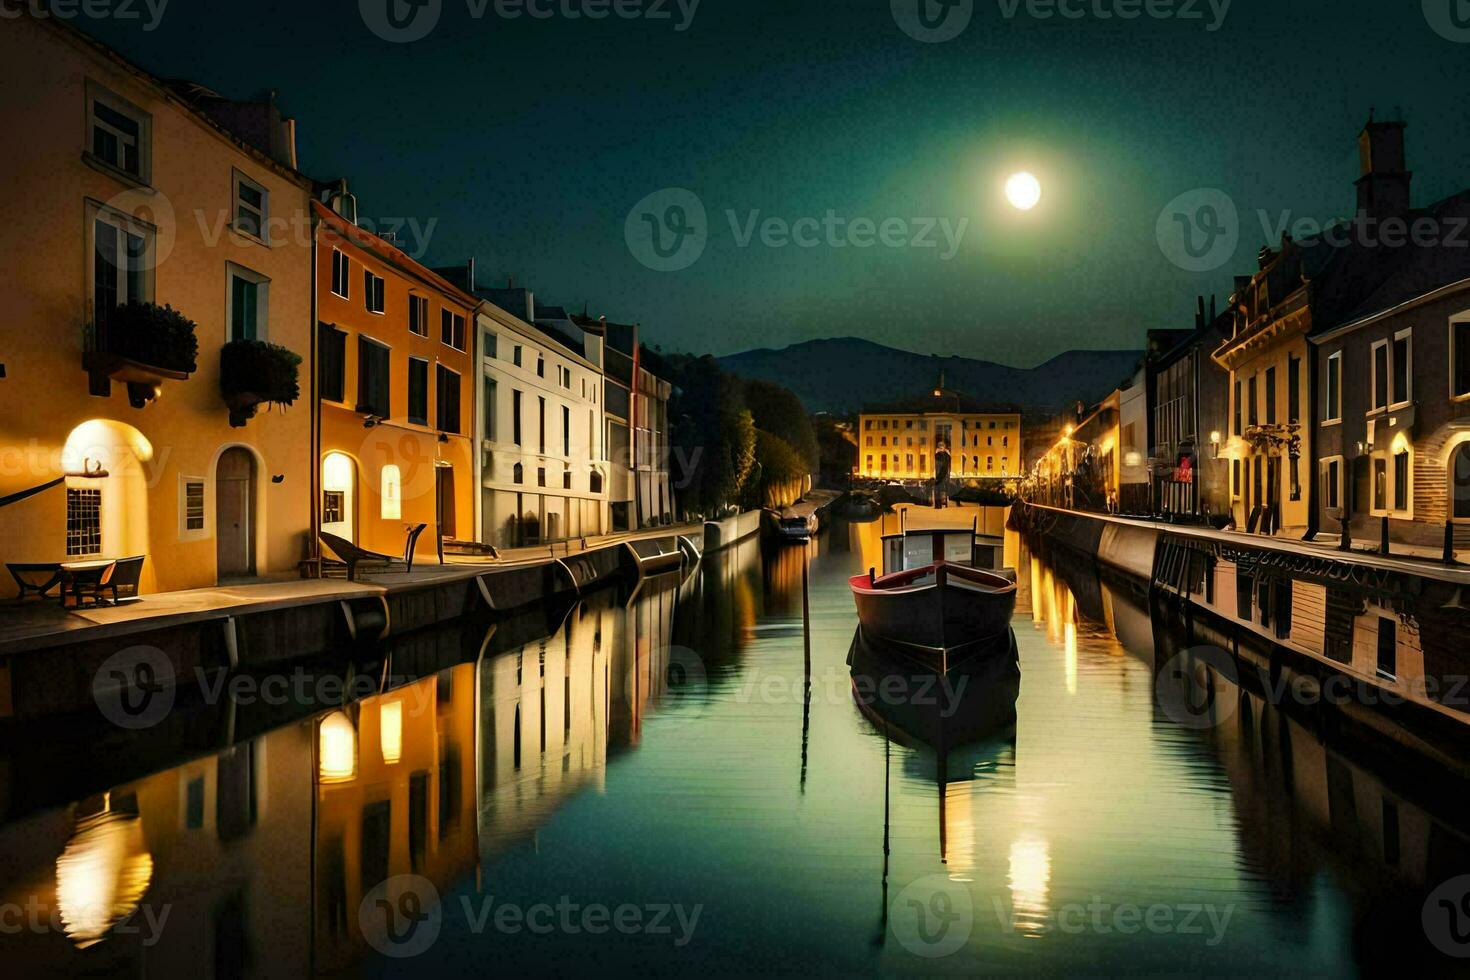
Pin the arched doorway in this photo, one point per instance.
(234, 510)
(339, 496)
(105, 517)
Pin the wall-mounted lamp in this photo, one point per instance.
(1215, 443)
(279, 478)
(443, 437)
(371, 422)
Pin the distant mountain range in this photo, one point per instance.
(843, 374)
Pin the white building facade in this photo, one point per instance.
(543, 463)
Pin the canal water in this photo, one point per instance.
(668, 782)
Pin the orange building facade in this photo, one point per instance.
(396, 385)
(125, 191)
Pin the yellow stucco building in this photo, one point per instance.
(900, 446)
(125, 190)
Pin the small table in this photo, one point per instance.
(77, 575)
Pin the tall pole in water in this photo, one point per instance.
(806, 641)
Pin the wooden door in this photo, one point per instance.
(234, 504)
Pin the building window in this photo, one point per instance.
(1380, 375)
(541, 425)
(392, 508)
(418, 315)
(1460, 358)
(1380, 484)
(540, 476)
(1254, 403)
(247, 302)
(192, 505)
(372, 290)
(1271, 396)
(515, 416)
(515, 355)
(1401, 462)
(83, 522)
(341, 269)
(373, 388)
(252, 202)
(334, 506)
(1460, 480)
(869, 468)
(1235, 477)
(418, 391)
(451, 329)
(120, 133)
(120, 272)
(566, 480)
(1332, 484)
(1238, 429)
(332, 362)
(1294, 390)
(1403, 368)
(594, 480)
(491, 344)
(540, 366)
(566, 431)
(518, 474)
(488, 408)
(1332, 411)
(448, 399)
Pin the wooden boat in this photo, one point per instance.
(942, 613)
(797, 527)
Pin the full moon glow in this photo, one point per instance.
(1023, 191)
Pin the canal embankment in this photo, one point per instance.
(1371, 641)
(50, 657)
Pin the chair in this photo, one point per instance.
(353, 556)
(124, 581)
(87, 580)
(37, 577)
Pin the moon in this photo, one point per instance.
(1023, 191)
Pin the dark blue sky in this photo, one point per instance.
(529, 141)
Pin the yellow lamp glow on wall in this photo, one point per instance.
(390, 730)
(336, 749)
(392, 493)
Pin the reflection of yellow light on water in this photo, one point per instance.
(390, 730)
(1069, 633)
(1030, 875)
(1036, 596)
(101, 875)
(336, 749)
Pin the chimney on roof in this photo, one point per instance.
(341, 200)
(1383, 187)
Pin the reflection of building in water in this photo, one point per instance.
(216, 850)
(543, 723)
(395, 794)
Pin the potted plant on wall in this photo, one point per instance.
(253, 373)
(142, 345)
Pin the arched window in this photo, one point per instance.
(1460, 479)
(594, 482)
(520, 473)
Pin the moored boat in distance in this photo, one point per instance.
(797, 527)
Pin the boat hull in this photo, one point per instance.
(939, 613)
(908, 698)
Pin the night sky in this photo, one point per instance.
(529, 141)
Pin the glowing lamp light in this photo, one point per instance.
(1133, 458)
(336, 749)
(101, 875)
(390, 731)
(1023, 191)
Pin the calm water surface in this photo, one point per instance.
(647, 790)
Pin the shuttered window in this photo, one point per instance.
(332, 362)
(372, 379)
(448, 399)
